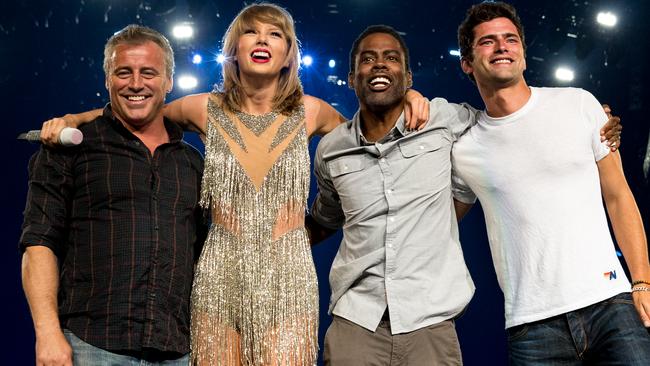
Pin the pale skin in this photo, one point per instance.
(137, 70)
(259, 82)
(498, 64)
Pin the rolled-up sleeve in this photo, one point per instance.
(48, 200)
(326, 209)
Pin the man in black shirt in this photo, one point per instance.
(112, 226)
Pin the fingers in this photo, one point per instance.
(642, 305)
(51, 130)
(424, 113)
(607, 110)
(408, 115)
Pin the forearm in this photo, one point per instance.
(77, 119)
(40, 276)
(630, 234)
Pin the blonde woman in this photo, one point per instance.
(254, 299)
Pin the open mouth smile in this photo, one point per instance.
(260, 55)
(379, 83)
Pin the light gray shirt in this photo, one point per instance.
(393, 199)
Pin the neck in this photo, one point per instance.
(152, 133)
(504, 101)
(258, 94)
(376, 122)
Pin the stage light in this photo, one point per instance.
(332, 64)
(307, 60)
(564, 74)
(183, 31)
(454, 53)
(187, 82)
(197, 59)
(221, 58)
(607, 19)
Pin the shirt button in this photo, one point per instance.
(389, 191)
(383, 160)
(390, 245)
(392, 219)
(345, 167)
(421, 147)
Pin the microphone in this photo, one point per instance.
(68, 137)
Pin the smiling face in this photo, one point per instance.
(137, 83)
(380, 79)
(498, 54)
(262, 51)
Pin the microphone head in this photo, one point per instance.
(70, 136)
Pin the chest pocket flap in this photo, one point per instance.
(346, 164)
(417, 146)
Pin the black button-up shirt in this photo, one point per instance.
(126, 227)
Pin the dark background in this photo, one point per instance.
(50, 64)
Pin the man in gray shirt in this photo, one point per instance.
(399, 278)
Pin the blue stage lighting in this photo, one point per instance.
(221, 58)
(332, 63)
(197, 59)
(307, 60)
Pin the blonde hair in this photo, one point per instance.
(289, 91)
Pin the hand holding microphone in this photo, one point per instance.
(54, 132)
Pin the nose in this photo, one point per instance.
(261, 38)
(137, 82)
(502, 45)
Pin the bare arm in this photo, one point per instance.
(461, 208)
(40, 275)
(320, 117)
(628, 227)
(190, 112)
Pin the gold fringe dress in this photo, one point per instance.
(255, 294)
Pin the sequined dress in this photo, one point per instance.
(255, 294)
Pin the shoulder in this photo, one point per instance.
(340, 137)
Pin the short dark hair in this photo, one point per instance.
(379, 28)
(481, 13)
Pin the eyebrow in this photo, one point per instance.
(496, 35)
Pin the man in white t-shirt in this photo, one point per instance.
(567, 298)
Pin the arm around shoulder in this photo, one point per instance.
(320, 117)
(190, 112)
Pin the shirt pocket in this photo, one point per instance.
(357, 182)
(426, 163)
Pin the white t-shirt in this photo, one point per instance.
(535, 174)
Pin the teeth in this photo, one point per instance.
(135, 98)
(261, 54)
(380, 80)
(504, 61)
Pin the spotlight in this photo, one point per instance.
(564, 74)
(454, 53)
(197, 59)
(607, 19)
(187, 82)
(221, 58)
(332, 63)
(183, 31)
(307, 60)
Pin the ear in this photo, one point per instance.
(170, 85)
(466, 65)
(409, 79)
(351, 80)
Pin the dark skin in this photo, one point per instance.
(380, 56)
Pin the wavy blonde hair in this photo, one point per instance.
(289, 92)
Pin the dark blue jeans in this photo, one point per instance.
(606, 333)
(84, 354)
